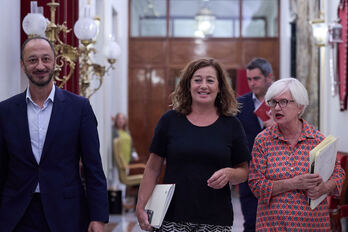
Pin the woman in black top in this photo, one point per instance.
(205, 149)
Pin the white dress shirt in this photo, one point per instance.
(38, 119)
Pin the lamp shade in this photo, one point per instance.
(34, 24)
(112, 50)
(320, 33)
(85, 28)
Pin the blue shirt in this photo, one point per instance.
(38, 119)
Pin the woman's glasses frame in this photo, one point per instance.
(282, 103)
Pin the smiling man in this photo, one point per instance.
(38, 62)
(44, 132)
(259, 74)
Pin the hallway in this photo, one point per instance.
(128, 223)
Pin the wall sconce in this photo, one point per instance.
(35, 24)
(335, 37)
(319, 29)
(86, 30)
(335, 32)
(92, 74)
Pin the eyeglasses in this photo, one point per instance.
(282, 103)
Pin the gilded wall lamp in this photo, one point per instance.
(92, 74)
(85, 29)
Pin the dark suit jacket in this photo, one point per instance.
(71, 135)
(251, 127)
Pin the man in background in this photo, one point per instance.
(44, 132)
(260, 77)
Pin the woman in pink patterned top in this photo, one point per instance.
(279, 171)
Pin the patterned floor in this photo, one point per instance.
(127, 221)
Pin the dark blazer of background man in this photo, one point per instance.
(259, 75)
(45, 193)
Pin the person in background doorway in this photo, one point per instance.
(260, 77)
(205, 149)
(120, 131)
(279, 171)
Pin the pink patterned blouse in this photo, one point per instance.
(273, 159)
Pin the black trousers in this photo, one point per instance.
(249, 207)
(33, 219)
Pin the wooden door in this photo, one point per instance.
(147, 91)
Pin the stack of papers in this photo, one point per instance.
(322, 161)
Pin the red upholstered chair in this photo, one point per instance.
(338, 207)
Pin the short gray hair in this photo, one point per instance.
(296, 88)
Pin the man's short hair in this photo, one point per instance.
(263, 65)
(37, 37)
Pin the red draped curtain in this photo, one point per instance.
(342, 54)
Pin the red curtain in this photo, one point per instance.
(342, 55)
(242, 82)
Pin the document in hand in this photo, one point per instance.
(262, 110)
(322, 161)
(158, 203)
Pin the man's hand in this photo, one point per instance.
(95, 226)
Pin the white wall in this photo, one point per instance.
(285, 54)
(333, 121)
(113, 95)
(10, 77)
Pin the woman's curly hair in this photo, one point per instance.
(225, 101)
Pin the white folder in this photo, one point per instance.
(322, 161)
(158, 203)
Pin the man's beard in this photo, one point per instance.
(40, 84)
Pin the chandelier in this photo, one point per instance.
(86, 30)
(205, 20)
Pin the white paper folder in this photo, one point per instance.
(159, 202)
(322, 161)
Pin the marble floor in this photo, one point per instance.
(127, 221)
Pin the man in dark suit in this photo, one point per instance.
(259, 75)
(44, 132)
